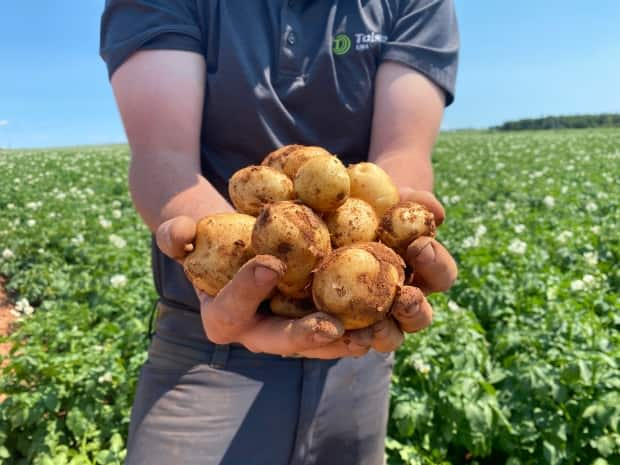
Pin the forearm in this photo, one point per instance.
(407, 116)
(163, 186)
(412, 170)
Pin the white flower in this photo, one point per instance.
(105, 224)
(117, 241)
(591, 206)
(481, 230)
(549, 201)
(31, 223)
(423, 368)
(89, 191)
(519, 228)
(118, 280)
(564, 189)
(61, 196)
(455, 199)
(116, 203)
(77, 240)
(7, 254)
(509, 206)
(470, 242)
(116, 214)
(33, 205)
(517, 246)
(596, 229)
(24, 307)
(105, 378)
(588, 280)
(577, 285)
(51, 215)
(452, 305)
(591, 258)
(552, 293)
(602, 195)
(10, 206)
(564, 236)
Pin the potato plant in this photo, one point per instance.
(521, 365)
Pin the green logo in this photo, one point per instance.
(342, 44)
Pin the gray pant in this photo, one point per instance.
(201, 404)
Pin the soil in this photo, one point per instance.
(6, 321)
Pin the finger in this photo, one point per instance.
(434, 268)
(175, 236)
(286, 336)
(425, 198)
(354, 343)
(411, 309)
(234, 307)
(387, 336)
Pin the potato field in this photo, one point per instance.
(520, 366)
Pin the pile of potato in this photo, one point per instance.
(340, 231)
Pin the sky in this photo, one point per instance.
(522, 59)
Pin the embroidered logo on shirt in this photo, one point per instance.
(342, 44)
(363, 41)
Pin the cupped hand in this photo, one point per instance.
(434, 268)
(232, 315)
(434, 271)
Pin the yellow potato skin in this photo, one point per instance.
(222, 246)
(372, 184)
(288, 159)
(354, 221)
(322, 183)
(404, 223)
(356, 286)
(287, 307)
(253, 187)
(296, 235)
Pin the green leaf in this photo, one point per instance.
(550, 453)
(606, 445)
(77, 423)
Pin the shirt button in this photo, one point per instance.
(292, 38)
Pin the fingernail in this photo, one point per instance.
(425, 253)
(410, 310)
(264, 276)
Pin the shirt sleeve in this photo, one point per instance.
(425, 37)
(131, 25)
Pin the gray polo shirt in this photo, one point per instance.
(282, 72)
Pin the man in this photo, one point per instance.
(205, 88)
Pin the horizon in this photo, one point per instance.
(517, 61)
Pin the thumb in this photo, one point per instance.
(237, 302)
(425, 198)
(175, 236)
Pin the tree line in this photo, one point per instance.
(562, 122)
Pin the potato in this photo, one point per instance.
(370, 183)
(291, 308)
(297, 236)
(358, 284)
(222, 246)
(387, 256)
(322, 183)
(289, 158)
(252, 187)
(354, 221)
(404, 223)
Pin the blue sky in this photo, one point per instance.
(519, 59)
